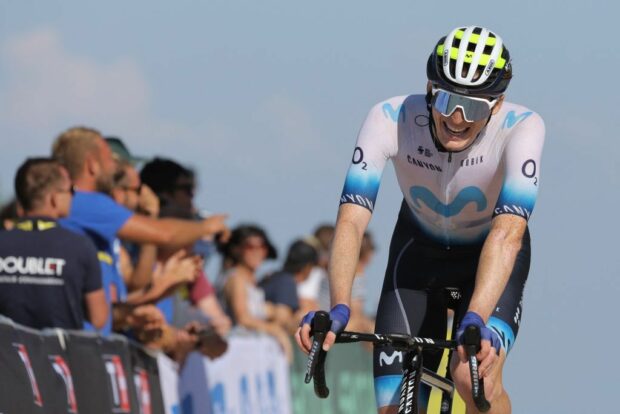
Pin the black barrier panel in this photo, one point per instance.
(19, 391)
(94, 393)
(146, 381)
(116, 357)
(61, 372)
(56, 375)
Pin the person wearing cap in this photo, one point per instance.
(120, 150)
(242, 298)
(468, 164)
(281, 287)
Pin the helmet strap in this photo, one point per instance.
(431, 124)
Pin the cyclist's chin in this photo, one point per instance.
(452, 141)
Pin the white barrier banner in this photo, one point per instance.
(169, 380)
(252, 377)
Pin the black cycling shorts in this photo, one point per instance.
(414, 300)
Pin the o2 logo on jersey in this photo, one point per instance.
(358, 158)
(394, 113)
(118, 382)
(61, 368)
(529, 170)
(464, 197)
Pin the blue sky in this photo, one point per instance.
(265, 100)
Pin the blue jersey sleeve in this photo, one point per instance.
(521, 160)
(376, 143)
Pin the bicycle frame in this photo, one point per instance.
(413, 370)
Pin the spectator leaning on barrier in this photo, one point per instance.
(174, 184)
(129, 192)
(281, 287)
(155, 281)
(89, 161)
(197, 297)
(49, 276)
(244, 301)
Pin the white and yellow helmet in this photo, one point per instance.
(470, 61)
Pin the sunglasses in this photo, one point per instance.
(474, 109)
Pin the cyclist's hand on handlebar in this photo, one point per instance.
(339, 316)
(490, 344)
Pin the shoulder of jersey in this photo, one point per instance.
(392, 108)
(512, 114)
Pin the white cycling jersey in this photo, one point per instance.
(453, 196)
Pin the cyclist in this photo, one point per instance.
(468, 165)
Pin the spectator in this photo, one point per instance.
(9, 214)
(50, 276)
(245, 302)
(173, 183)
(197, 297)
(309, 290)
(281, 287)
(129, 192)
(173, 273)
(90, 164)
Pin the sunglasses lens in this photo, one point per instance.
(473, 109)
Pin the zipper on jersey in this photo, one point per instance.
(446, 220)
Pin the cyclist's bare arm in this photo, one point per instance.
(496, 263)
(350, 226)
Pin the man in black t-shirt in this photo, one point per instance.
(49, 276)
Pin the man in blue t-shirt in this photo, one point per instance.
(49, 276)
(281, 287)
(89, 161)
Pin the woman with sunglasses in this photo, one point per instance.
(468, 165)
(242, 298)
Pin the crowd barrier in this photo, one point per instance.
(75, 372)
(251, 377)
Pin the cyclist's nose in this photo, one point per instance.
(457, 117)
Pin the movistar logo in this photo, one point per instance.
(513, 119)
(393, 113)
(465, 196)
(389, 360)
